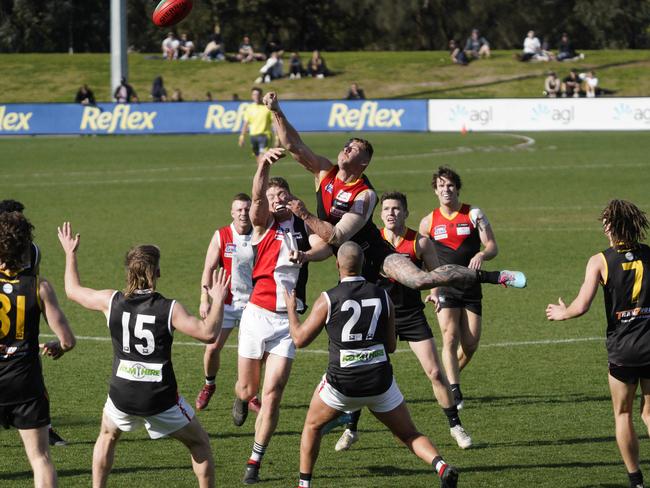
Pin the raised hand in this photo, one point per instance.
(270, 100)
(272, 156)
(69, 243)
(220, 286)
(298, 208)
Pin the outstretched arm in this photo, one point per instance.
(211, 263)
(593, 274)
(303, 334)
(291, 140)
(260, 212)
(86, 297)
(57, 321)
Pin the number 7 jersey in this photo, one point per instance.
(143, 380)
(627, 305)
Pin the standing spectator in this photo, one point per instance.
(316, 67)
(477, 46)
(355, 93)
(295, 66)
(185, 47)
(591, 84)
(272, 69)
(532, 47)
(457, 55)
(552, 85)
(85, 96)
(170, 46)
(571, 85)
(125, 93)
(158, 92)
(208, 96)
(177, 95)
(246, 52)
(566, 51)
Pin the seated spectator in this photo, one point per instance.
(477, 46)
(591, 84)
(235, 98)
(177, 96)
(355, 93)
(571, 85)
(565, 50)
(125, 93)
(208, 96)
(246, 53)
(170, 46)
(272, 46)
(295, 66)
(85, 96)
(272, 69)
(552, 85)
(532, 48)
(158, 92)
(215, 49)
(185, 47)
(316, 67)
(457, 55)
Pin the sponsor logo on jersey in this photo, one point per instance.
(122, 117)
(628, 315)
(329, 187)
(369, 115)
(7, 288)
(351, 358)
(343, 196)
(219, 118)
(629, 256)
(14, 121)
(231, 250)
(139, 371)
(463, 229)
(440, 232)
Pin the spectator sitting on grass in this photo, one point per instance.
(533, 49)
(552, 85)
(215, 49)
(571, 85)
(177, 96)
(272, 69)
(477, 46)
(566, 51)
(316, 67)
(125, 93)
(85, 96)
(158, 92)
(355, 93)
(185, 47)
(295, 66)
(170, 46)
(591, 84)
(246, 52)
(457, 55)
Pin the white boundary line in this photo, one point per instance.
(540, 342)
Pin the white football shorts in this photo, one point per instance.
(262, 331)
(385, 402)
(231, 317)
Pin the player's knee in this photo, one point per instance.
(436, 376)
(408, 437)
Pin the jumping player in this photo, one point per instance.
(458, 231)
(143, 389)
(346, 201)
(410, 321)
(622, 271)
(359, 320)
(231, 249)
(24, 297)
(282, 244)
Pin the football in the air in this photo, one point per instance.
(171, 12)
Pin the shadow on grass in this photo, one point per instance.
(510, 400)
(509, 79)
(62, 473)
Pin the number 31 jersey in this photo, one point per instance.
(143, 380)
(627, 305)
(356, 325)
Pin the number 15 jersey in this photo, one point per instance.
(143, 381)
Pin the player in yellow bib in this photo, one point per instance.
(257, 119)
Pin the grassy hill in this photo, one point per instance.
(420, 74)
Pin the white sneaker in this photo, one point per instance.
(348, 438)
(460, 435)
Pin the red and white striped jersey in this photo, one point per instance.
(236, 257)
(273, 271)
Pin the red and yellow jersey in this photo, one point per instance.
(407, 245)
(455, 237)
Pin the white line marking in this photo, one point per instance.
(540, 342)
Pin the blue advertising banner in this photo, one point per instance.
(208, 117)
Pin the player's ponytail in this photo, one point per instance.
(625, 222)
(142, 268)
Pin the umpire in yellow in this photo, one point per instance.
(257, 118)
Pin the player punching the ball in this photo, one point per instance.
(360, 323)
(24, 297)
(143, 389)
(623, 271)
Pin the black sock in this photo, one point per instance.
(354, 424)
(452, 416)
(305, 480)
(636, 479)
(488, 276)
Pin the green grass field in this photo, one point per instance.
(415, 74)
(537, 403)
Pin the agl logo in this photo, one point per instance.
(461, 114)
(543, 112)
(624, 112)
